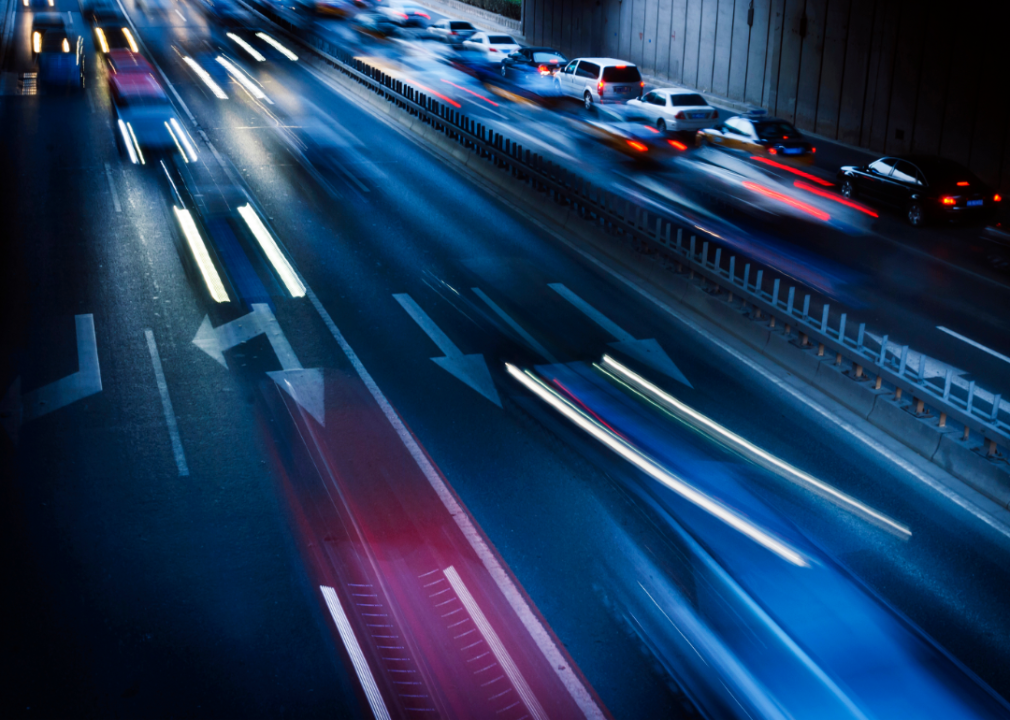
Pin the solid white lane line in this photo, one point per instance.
(112, 188)
(643, 462)
(357, 657)
(520, 330)
(166, 404)
(493, 642)
(501, 577)
(751, 451)
(971, 342)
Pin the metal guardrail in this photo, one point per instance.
(618, 215)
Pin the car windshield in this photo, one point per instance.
(461, 26)
(776, 130)
(501, 40)
(548, 57)
(621, 74)
(689, 100)
(52, 41)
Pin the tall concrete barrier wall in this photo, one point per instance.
(893, 76)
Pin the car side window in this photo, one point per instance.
(906, 172)
(655, 98)
(570, 67)
(738, 126)
(588, 70)
(882, 166)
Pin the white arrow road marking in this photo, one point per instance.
(357, 657)
(646, 351)
(471, 369)
(166, 404)
(86, 381)
(520, 330)
(305, 386)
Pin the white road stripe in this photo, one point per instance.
(520, 330)
(166, 404)
(515, 599)
(112, 188)
(357, 657)
(493, 642)
(971, 342)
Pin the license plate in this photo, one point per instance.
(975, 203)
(793, 151)
(621, 89)
(698, 116)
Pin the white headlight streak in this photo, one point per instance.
(128, 142)
(746, 448)
(130, 40)
(277, 46)
(253, 52)
(207, 79)
(184, 138)
(287, 273)
(242, 79)
(210, 277)
(653, 469)
(136, 145)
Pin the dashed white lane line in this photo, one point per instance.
(491, 638)
(166, 404)
(971, 342)
(357, 657)
(112, 188)
(533, 626)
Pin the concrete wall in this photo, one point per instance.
(894, 76)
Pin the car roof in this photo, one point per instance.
(138, 85)
(607, 61)
(678, 91)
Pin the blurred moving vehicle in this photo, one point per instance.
(334, 8)
(925, 187)
(536, 62)
(59, 52)
(625, 129)
(125, 62)
(46, 22)
(406, 14)
(154, 7)
(226, 13)
(452, 31)
(374, 25)
(146, 119)
(599, 80)
(758, 134)
(495, 46)
(38, 4)
(675, 109)
(111, 34)
(90, 9)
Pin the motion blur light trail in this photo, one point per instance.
(752, 452)
(792, 202)
(640, 460)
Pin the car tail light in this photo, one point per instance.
(963, 183)
(948, 200)
(453, 32)
(813, 150)
(715, 114)
(773, 151)
(493, 49)
(679, 116)
(641, 84)
(677, 144)
(997, 198)
(641, 147)
(599, 87)
(544, 70)
(424, 15)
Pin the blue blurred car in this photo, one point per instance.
(58, 51)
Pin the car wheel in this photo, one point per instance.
(661, 125)
(848, 189)
(587, 99)
(916, 216)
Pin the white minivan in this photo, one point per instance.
(599, 80)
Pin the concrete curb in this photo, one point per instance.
(921, 435)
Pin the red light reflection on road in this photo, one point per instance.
(438, 95)
(460, 87)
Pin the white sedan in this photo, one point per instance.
(494, 46)
(675, 109)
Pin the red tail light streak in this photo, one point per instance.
(439, 95)
(831, 196)
(793, 170)
(791, 202)
(460, 87)
(641, 147)
(677, 144)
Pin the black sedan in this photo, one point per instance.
(532, 62)
(925, 187)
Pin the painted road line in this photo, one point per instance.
(493, 642)
(166, 404)
(276, 46)
(242, 79)
(974, 344)
(253, 52)
(519, 329)
(112, 188)
(83, 383)
(304, 385)
(545, 643)
(645, 351)
(643, 462)
(273, 252)
(471, 369)
(747, 449)
(196, 245)
(357, 657)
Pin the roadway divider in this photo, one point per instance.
(961, 429)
